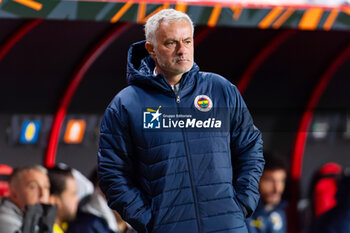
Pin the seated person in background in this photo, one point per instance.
(270, 215)
(324, 188)
(94, 215)
(63, 194)
(336, 220)
(28, 186)
(321, 195)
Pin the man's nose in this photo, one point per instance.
(278, 187)
(43, 196)
(181, 48)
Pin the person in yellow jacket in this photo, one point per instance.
(57, 229)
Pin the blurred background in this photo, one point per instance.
(62, 62)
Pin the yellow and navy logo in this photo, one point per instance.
(152, 118)
(257, 223)
(276, 220)
(30, 132)
(203, 103)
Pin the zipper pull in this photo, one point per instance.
(177, 99)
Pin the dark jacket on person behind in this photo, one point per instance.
(89, 223)
(94, 216)
(268, 221)
(164, 176)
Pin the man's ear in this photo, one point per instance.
(14, 194)
(150, 48)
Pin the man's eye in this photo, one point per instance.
(32, 186)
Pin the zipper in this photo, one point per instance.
(177, 99)
(192, 182)
(189, 162)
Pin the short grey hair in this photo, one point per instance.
(166, 15)
(17, 172)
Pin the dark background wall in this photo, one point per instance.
(35, 73)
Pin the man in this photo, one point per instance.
(270, 215)
(323, 188)
(64, 194)
(28, 186)
(94, 215)
(178, 148)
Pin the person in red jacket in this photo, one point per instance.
(337, 219)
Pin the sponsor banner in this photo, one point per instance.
(304, 15)
(74, 131)
(30, 132)
(34, 130)
(189, 119)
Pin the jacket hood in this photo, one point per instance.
(97, 206)
(140, 67)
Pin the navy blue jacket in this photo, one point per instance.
(272, 221)
(88, 223)
(336, 220)
(193, 169)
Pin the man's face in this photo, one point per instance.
(173, 52)
(67, 202)
(31, 187)
(272, 185)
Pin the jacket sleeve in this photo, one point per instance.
(247, 154)
(116, 171)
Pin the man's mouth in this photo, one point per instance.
(182, 59)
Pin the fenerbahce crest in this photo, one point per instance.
(203, 103)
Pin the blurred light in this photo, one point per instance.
(5, 172)
(320, 130)
(347, 129)
(74, 132)
(30, 132)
